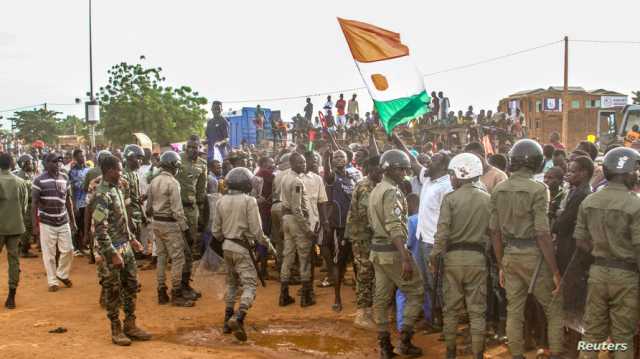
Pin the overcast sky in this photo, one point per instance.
(236, 50)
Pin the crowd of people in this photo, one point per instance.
(435, 232)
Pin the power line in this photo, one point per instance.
(624, 42)
(461, 67)
(38, 105)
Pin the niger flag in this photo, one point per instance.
(394, 82)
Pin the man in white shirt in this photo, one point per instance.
(436, 184)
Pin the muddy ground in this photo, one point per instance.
(274, 332)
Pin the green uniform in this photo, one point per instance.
(295, 223)
(387, 214)
(519, 208)
(112, 236)
(359, 233)
(90, 176)
(237, 221)
(462, 239)
(28, 224)
(610, 221)
(192, 177)
(13, 206)
(133, 202)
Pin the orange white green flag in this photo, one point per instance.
(393, 80)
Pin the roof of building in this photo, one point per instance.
(598, 92)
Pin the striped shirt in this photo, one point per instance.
(50, 195)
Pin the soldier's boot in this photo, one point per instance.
(451, 353)
(407, 348)
(187, 291)
(386, 349)
(117, 336)
(11, 299)
(132, 331)
(177, 300)
(163, 297)
(285, 298)
(364, 320)
(307, 297)
(228, 313)
(236, 323)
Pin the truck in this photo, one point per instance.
(615, 130)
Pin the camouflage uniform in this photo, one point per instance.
(25, 239)
(112, 236)
(133, 202)
(193, 191)
(359, 233)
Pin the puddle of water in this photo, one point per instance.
(281, 338)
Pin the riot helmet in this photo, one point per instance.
(239, 179)
(526, 154)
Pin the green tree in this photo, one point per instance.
(135, 100)
(38, 124)
(73, 125)
(636, 97)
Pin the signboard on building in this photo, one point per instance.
(613, 101)
(552, 104)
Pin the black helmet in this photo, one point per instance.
(102, 155)
(24, 158)
(394, 159)
(239, 179)
(133, 151)
(621, 160)
(526, 154)
(170, 160)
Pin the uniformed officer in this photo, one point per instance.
(164, 204)
(193, 191)
(298, 236)
(461, 239)
(277, 236)
(358, 231)
(608, 226)
(95, 172)
(392, 262)
(27, 173)
(115, 245)
(133, 155)
(237, 222)
(13, 206)
(520, 231)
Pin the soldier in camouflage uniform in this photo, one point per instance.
(133, 155)
(359, 233)
(392, 262)
(27, 173)
(192, 177)
(115, 244)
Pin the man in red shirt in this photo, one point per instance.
(554, 139)
(340, 106)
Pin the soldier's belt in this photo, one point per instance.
(187, 204)
(616, 263)
(164, 219)
(522, 242)
(383, 247)
(241, 242)
(466, 247)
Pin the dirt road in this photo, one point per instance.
(274, 332)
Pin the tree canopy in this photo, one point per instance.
(135, 100)
(38, 124)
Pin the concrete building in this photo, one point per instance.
(590, 113)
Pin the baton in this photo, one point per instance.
(535, 275)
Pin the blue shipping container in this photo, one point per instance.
(242, 125)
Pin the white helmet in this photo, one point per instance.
(466, 166)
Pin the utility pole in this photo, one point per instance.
(565, 95)
(91, 106)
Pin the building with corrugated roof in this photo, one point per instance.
(588, 111)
